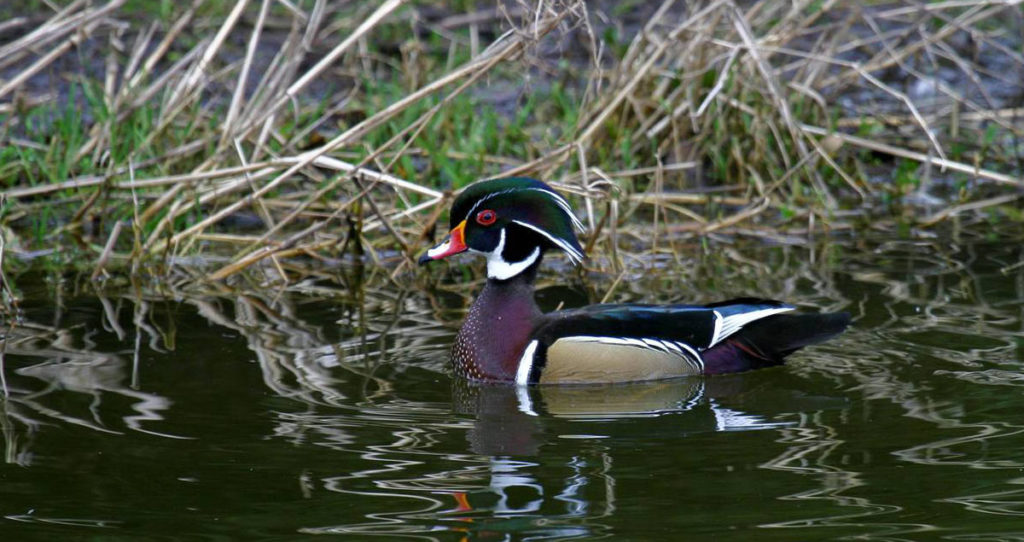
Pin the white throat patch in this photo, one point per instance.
(498, 268)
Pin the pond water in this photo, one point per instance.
(327, 409)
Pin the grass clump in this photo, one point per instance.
(232, 134)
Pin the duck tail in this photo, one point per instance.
(768, 341)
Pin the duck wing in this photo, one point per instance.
(628, 342)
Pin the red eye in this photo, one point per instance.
(486, 218)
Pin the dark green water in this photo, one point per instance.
(327, 410)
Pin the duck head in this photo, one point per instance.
(512, 222)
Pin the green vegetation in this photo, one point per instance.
(134, 133)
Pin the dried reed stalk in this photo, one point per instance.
(711, 102)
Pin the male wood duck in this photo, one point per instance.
(506, 338)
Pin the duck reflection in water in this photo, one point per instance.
(513, 424)
(509, 420)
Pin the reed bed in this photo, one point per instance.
(213, 139)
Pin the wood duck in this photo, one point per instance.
(506, 338)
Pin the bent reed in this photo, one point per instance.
(207, 139)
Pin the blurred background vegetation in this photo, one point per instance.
(205, 139)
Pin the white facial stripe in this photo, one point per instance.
(568, 210)
(485, 198)
(575, 256)
(498, 268)
(556, 197)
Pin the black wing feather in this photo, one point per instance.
(690, 324)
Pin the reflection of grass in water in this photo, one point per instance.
(379, 330)
(353, 364)
(927, 313)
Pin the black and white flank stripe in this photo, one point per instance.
(685, 331)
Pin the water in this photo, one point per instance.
(327, 409)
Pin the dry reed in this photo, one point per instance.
(716, 114)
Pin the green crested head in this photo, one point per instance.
(512, 221)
